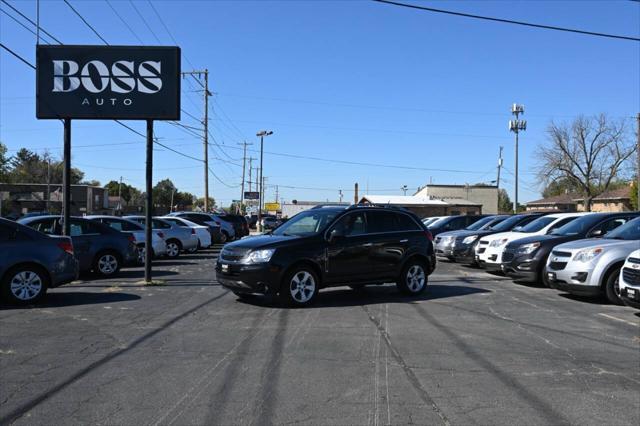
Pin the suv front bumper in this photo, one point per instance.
(262, 278)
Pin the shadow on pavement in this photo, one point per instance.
(173, 263)
(598, 300)
(62, 299)
(373, 295)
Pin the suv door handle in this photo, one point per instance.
(404, 241)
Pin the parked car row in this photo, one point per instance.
(34, 256)
(586, 254)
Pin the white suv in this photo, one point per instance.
(630, 280)
(489, 249)
(591, 267)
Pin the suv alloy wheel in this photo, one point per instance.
(23, 285)
(299, 287)
(106, 264)
(413, 279)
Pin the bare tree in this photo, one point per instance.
(591, 153)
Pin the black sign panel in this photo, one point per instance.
(108, 82)
(251, 195)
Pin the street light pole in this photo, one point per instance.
(261, 134)
(515, 126)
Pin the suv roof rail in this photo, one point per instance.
(321, 206)
(379, 206)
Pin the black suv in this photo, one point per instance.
(329, 247)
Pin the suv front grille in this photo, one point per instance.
(233, 255)
(631, 276)
(508, 256)
(557, 266)
(634, 260)
(561, 253)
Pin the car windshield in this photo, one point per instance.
(306, 223)
(537, 224)
(439, 222)
(429, 220)
(507, 224)
(577, 227)
(628, 231)
(481, 224)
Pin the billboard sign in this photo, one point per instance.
(249, 195)
(272, 207)
(108, 82)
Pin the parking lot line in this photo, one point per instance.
(618, 319)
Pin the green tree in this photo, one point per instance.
(504, 202)
(4, 164)
(126, 191)
(29, 167)
(162, 193)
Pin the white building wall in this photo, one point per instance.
(485, 195)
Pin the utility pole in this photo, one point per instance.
(205, 123)
(171, 206)
(499, 167)
(48, 186)
(355, 195)
(261, 134)
(516, 126)
(340, 194)
(120, 195)
(244, 163)
(276, 193)
(250, 172)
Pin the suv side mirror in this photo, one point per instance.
(597, 233)
(335, 235)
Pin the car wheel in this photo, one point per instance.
(24, 285)
(173, 249)
(106, 264)
(300, 287)
(413, 279)
(612, 287)
(224, 237)
(142, 254)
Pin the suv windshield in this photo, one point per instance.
(480, 224)
(537, 224)
(628, 231)
(507, 224)
(307, 223)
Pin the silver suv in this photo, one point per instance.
(591, 267)
(177, 238)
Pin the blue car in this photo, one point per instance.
(32, 262)
(98, 247)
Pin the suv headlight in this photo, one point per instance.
(588, 255)
(527, 248)
(259, 256)
(470, 239)
(499, 242)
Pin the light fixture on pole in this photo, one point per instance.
(516, 126)
(261, 134)
(404, 189)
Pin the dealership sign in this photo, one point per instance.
(108, 82)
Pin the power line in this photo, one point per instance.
(30, 21)
(85, 22)
(22, 25)
(144, 21)
(222, 182)
(507, 21)
(126, 24)
(168, 31)
(17, 56)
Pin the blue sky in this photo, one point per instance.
(343, 80)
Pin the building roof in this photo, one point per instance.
(556, 199)
(412, 200)
(313, 203)
(623, 193)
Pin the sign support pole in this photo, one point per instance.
(149, 204)
(66, 178)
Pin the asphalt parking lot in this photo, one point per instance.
(474, 349)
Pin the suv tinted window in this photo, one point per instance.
(405, 223)
(608, 225)
(560, 224)
(352, 224)
(380, 221)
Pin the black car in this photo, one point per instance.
(97, 247)
(464, 246)
(239, 222)
(525, 259)
(452, 223)
(32, 262)
(331, 246)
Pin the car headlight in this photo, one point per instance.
(588, 255)
(499, 242)
(470, 239)
(259, 256)
(527, 248)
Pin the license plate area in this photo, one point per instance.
(224, 267)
